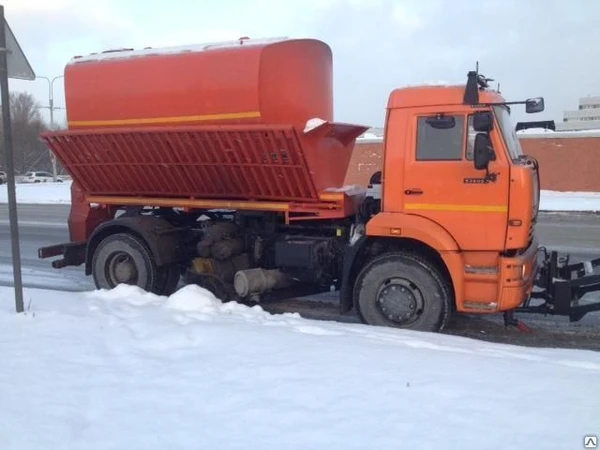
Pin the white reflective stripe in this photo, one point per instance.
(588, 267)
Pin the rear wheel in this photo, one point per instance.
(402, 290)
(122, 258)
(170, 276)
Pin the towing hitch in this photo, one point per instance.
(561, 286)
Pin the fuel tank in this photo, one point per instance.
(264, 81)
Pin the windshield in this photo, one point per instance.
(508, 132)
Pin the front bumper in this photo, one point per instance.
(517, 277)
(73, 254)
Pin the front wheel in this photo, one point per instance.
(123, 258)
(402, 290)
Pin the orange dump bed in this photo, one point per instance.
(250, 162)
(233, 121)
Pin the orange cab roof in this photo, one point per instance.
(418, 96)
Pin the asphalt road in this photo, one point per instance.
(40, 225)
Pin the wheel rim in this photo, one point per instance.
(121, 269)
(400, 301)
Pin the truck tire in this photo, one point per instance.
(402, 290)
(123, 258)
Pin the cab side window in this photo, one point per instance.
(440, 138)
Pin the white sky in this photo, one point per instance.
(532, 47)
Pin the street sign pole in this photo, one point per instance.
(15, 67)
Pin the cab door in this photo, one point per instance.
(442, 184)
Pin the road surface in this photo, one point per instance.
(578, 235)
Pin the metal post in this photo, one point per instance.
(10, 169)
(51, 108)
(51, 104)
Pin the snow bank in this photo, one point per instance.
(48, 193)
(39, 193)
(569, 201)
(433, 83)
(127, 369)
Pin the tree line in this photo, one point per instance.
(29, 153)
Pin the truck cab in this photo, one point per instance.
(456, 186)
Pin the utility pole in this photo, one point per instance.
(51, 107)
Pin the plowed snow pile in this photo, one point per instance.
(128, 370)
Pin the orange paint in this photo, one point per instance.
(223, 128)
(441, 204)
(285, 82)
(334, 208)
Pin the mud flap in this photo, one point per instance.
(347, 284)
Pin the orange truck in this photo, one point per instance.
(222, 163)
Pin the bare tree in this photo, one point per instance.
(27, 124)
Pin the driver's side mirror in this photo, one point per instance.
(483, 121)
(483, 152)
(534, 105)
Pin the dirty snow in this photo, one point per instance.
(127, 369)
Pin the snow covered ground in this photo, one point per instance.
(569, 201)
(126, 369)
(39, 193)
(558, 134)
(50, 193)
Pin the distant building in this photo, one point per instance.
(587, 117)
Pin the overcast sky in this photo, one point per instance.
(532, 47)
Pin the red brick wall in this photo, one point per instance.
(566, 164)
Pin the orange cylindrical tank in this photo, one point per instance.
(276, 81)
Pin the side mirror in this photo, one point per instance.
(483, 152)
(483, 121)
(534, 105)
